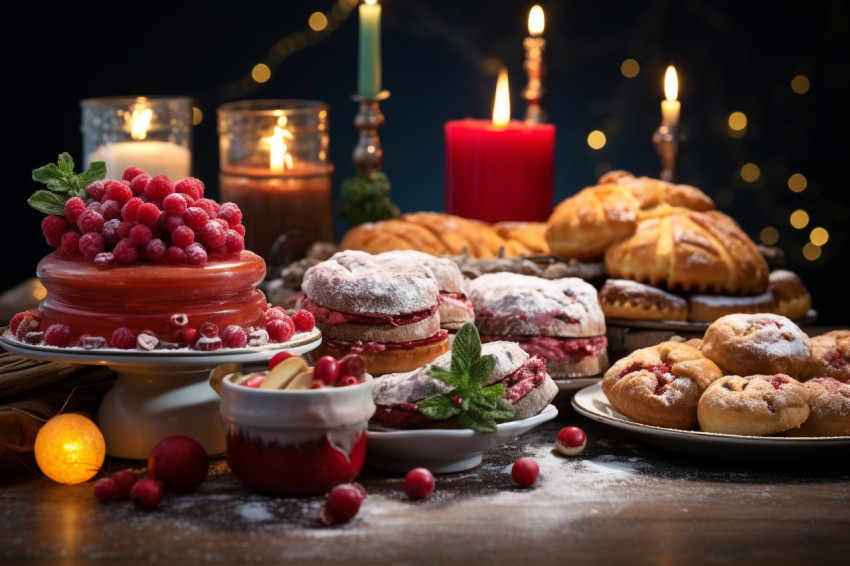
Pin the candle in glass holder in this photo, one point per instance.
(501, 169)
(152, 133)
(275, 167)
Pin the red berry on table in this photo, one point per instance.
(273, 313)
(570, 441)
(31, 322)
(279, 357)
(179, 462)
(343, 504)
(58, 335)
(123, 338)
(16, 320)
(525, 472)
(304, 321)
(196, 217)
(128, 211)
(419, 483)
(111, 230)
(280, 329)
(140, 235)
(189, 335)
(326, 369)
(146, 494)
(106, 489)
(125, 480)
(234, 336)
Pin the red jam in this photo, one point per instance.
(310, 467)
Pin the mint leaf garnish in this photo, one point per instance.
(63, 184)
(476, 406)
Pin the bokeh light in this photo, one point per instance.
(318, 21)
(630, 68)
(797, 183)
(769, 236)
(261, 73)
(800, 84)
(750, 172)
(799, 219)
(596, 139)
(737, 121)
(197, 116)
(811, 252)
(819, 236)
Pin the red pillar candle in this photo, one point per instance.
(499, 170)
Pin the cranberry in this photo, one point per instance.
(525, 471)
(125, 480)
(342, 504)
(146, 494)
(419, 483)
(326, 369)
(279, 357)
(179, 462)
(352, 364)
(570, 441)
(106, 489)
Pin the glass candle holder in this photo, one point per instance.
(153, 133)
(274, 164)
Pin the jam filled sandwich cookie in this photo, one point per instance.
(385, 311)
(559, 319)
(762, 343)
(622, 298)
(754, 405)
(660, 385)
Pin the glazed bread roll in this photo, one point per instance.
(690, 251)
(790, 297)
(651, 193)
(829, 408)
(830, 356)
(621, 298)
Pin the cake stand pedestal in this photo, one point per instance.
(161, 393)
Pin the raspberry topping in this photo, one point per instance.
(155, 250)
(131, 173)
(117, 190)
(280, 329)
(74, 206)
(174, 204)
(190, 186)
(70, 244)
(159, 187)
(196, 217)
(125, 252)
(57, 335)
(230, 212)
(303, 321)
(90, 221)
(96, 190)
(91, 244)
(196, 254)
(233, 336)
(123, 338)
(139, 182)
(53, 227)
(147, 213)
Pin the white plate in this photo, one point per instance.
(443, 450)
(575, 384)
(592, 403)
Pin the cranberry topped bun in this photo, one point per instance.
(560, 320)
(385, 311)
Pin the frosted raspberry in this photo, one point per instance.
(147, 213)
(159, 187)
(117, 190)
(280, 329)
(230, 212)
(182, 236)
(16, 320)
(138, 184)
(155, 250)
(58, 335)
(110, 209)
(189, 335)
(105, 258)
(174, 204)
(110, 230)
(171, 223)
(124, 228)
(274, 313)
(304, 321)
(140, 235)
(131, 173)
(175, 255)
(234, 336)
(96, 190)
(92, 244)
(31, 322)
(213, 235)
(196, 217)
(70, 244)
(74, 206)
(53, 227)
(123, 338)
(128, 212)
(190, 186)
(234, 242)
(90, 221)
(209, 205)
(93, 205)
(196, 254)
(125, 252)
(239, 229)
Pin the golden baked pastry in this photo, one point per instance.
(531, 235)
(660, 385)
(708, 308)
(690, 251)
(829, 408)
(830, 356)
(622, 298)
(651, 193)
(790, 297)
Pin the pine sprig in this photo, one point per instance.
(63, 184)
(476, 406)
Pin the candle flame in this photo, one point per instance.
(279, 157)
(502, 103)
(139, 123)
(370, 2)
(671, 84)
(536, 21)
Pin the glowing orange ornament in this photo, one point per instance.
(69, 448)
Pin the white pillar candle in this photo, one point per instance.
(153, 157)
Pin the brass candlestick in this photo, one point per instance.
(533, 93)
(368, 154)
(670, 142)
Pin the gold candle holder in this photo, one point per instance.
(368, 155)
(670, 142)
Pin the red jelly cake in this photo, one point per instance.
(146, 263)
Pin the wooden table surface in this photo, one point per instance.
(621, 501)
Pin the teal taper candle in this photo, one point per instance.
(369, 63)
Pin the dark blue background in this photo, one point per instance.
(439, 62)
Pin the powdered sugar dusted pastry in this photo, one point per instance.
(455, 309)
(830, 356)
(622, 298)
(790, 297)
(559, 320)
(829, 408)
(527, 387)
(386, 311)
(708, 308)
(660, 385)
(753, 405)
(762, 343)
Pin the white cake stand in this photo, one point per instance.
(160, 393)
